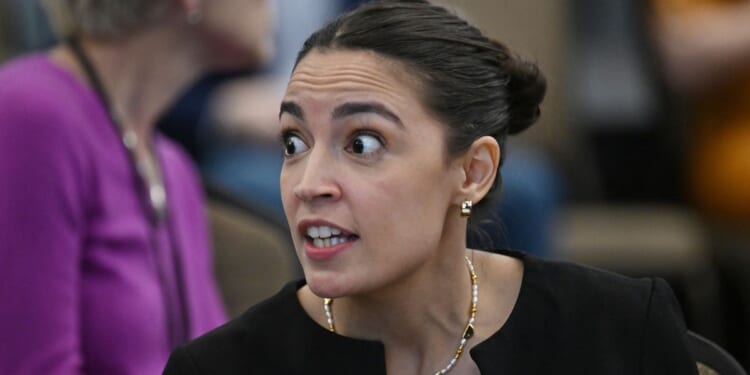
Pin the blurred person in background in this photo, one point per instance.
(104, 259)
(228, 122)
(704, 47)
(705, 50)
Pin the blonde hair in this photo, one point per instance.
(104, 18)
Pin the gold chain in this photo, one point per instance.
(468, 331)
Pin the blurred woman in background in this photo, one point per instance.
(105, 258)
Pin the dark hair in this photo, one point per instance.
(470, 82)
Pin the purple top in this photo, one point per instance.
(82, 288)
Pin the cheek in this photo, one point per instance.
(286, 186)
(403, 225)
(289, 201)
(408, 203)
(257, 32)
(247, 37)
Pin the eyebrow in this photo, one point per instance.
(293, 109)
(354, 108)
(345, 110)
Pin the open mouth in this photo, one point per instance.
(322, 236)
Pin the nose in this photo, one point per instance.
(318, 180)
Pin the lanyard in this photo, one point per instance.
(147, 169)
(150, 180)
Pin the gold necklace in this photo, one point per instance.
(468, 331)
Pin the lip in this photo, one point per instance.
(325, 253)
(304, 224)
(322, 253)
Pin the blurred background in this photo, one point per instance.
(640, 164)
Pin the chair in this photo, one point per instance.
(711, 358)
(253, 253)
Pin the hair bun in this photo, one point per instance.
(526, 89)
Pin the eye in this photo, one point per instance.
(293, 144)
(365, 144)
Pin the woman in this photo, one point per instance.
(105, 258)
(393, 126)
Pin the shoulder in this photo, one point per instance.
(575, 290)
(605, 301)
(584, 301)
(590, 287)
(34, 79)
(247, 342)
(43, 119)
(22, 69)
(572, 318)
(277, 337)
(634, 322)
(257, 323)
(41, 103)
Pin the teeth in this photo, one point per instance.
(327, 242)
(312, 232)
(322, 231)
(325, 236)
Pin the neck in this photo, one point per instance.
(420, 320)
(433, 294)
(141, 73)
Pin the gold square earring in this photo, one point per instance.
(466, 208)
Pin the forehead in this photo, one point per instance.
(339, 75)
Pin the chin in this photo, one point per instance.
(328, 284)
(240, 58)
(235, 63)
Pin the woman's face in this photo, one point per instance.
(365, 185)
(239, 32)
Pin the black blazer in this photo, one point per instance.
(568, 319)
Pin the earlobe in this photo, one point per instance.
(480, 166)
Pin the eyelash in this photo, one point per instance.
(284, 137)
(285, 134)
(367, 132)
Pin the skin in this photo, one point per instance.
(702, 43)
(239, 32)
(400, 196)
(146, 69)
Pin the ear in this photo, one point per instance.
(479, 166)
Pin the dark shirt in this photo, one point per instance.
(568, 319)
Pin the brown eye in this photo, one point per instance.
(293, 145)
(365, 144)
